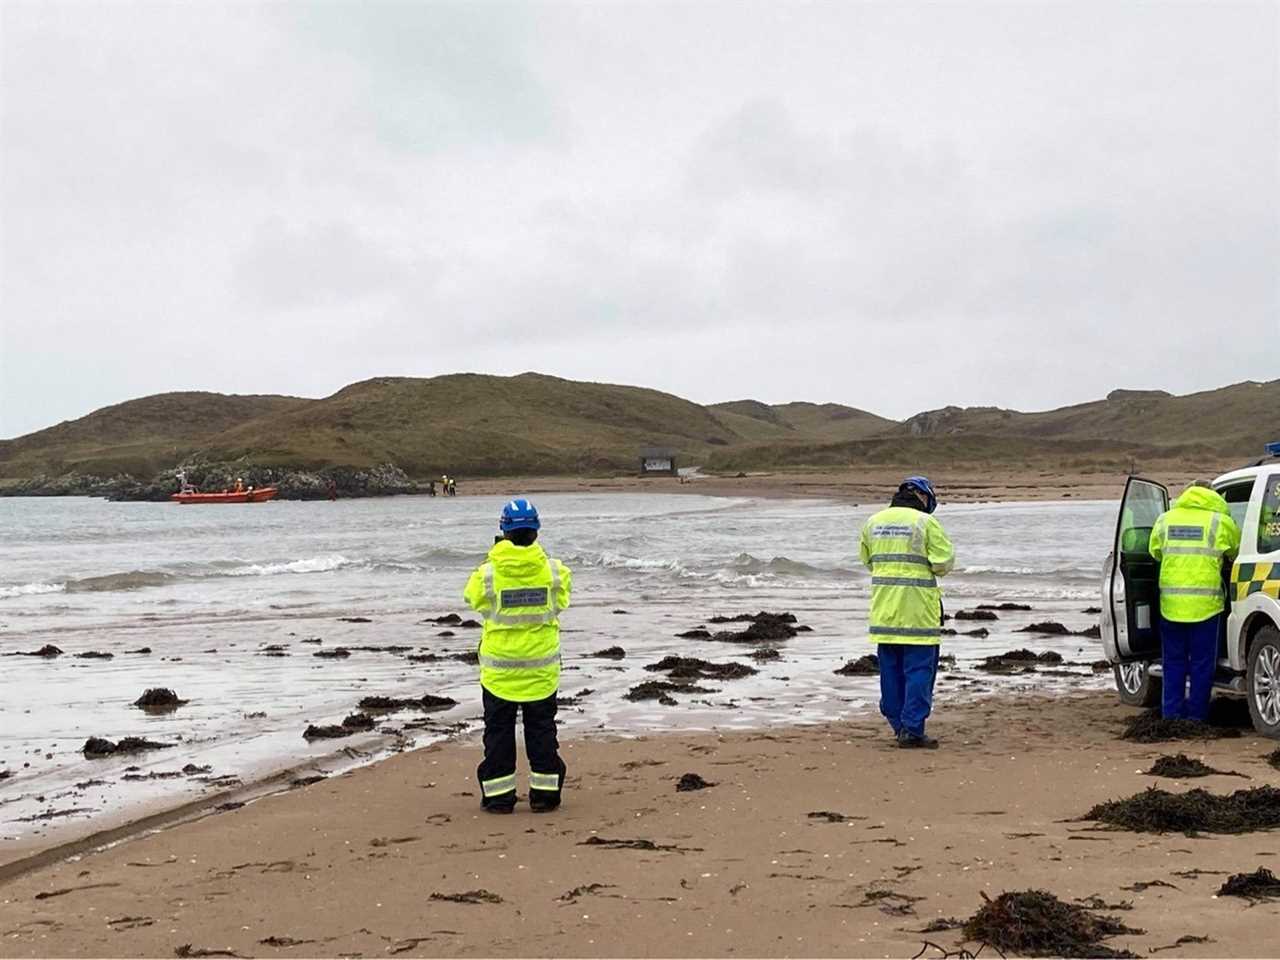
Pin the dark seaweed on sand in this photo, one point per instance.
(159, 698)
(864, 666)
(102, 747)
(1180, 766)
(1150, 727)
(658, 690)
(425, 703)
(1035, 923)
(1262, 884)
(762, 627)
(691, 781)
(693, 668)
(1158, 811)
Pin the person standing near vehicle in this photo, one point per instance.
(519, 592)
(1191, 541)
(906, 550)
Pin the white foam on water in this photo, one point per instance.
(323, 564)
(31, 589)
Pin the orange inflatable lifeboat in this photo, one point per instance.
(256, 495)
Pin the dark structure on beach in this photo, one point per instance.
(658, 461)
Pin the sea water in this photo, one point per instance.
(206, 588)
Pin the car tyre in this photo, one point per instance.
(1262, 680)
(1136, 686)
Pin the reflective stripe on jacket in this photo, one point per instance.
(1190, 541)
(906, 551)
(519, 593)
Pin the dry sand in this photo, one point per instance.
(353, 865)
(958, 484)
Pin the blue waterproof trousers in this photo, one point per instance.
(907, 673)
(1189, 651)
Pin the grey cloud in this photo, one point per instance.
(437, 75)
(287, 267)
(1037, 203)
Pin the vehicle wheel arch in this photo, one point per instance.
(1252, 627)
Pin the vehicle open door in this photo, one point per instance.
(1131, 597)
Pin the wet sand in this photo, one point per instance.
(957, 484)
(373, 862)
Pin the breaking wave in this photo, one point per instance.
(325, 564)
(745, 563)
(133, 580)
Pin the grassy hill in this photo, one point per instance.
(1231, 423)
(481, 425)
(753, 420)
(477, 425)
(1241, 416)
(140, 437)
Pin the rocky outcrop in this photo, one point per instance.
(379, 481)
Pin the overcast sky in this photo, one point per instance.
(886, 205)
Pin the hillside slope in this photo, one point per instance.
(1239, 417)
(139, 437)
(480, 424)
(799, 421)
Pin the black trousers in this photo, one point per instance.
(497, 771)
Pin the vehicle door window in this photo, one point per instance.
(1269, 518)
(1143, 504)
(1237, 496)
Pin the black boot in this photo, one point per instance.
(916, 741)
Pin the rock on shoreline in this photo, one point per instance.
(380, 481)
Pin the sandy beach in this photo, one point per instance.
(813, 841)
(959, 483)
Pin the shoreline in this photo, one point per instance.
(360, 862)
(963, 483)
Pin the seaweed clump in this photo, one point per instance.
(691, 781)
(1035, 923)
(693, 668)
(609, 653)
(865, 666)
(1150, 727)
(102, 747)
(424, 703)
(1262, 884)
(1017, 661)
(762, 627)
(1159, 811)
(660, 690)
(1181, 767)
(159, 700)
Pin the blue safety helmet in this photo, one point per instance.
(519, 514)
(922, 485)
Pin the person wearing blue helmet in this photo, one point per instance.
(906, 550)
(519, 592)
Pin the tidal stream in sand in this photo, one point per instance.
(207, 588)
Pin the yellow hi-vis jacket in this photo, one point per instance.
(519, 593)
(906, 551)
(1190, 541)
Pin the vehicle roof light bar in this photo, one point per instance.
(1273, 449)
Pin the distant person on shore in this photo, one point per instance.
(1191, 541)
(332, 486)
(906, 550)
(239, 485)
(519, 592)
(453, 487)
(431, 488)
